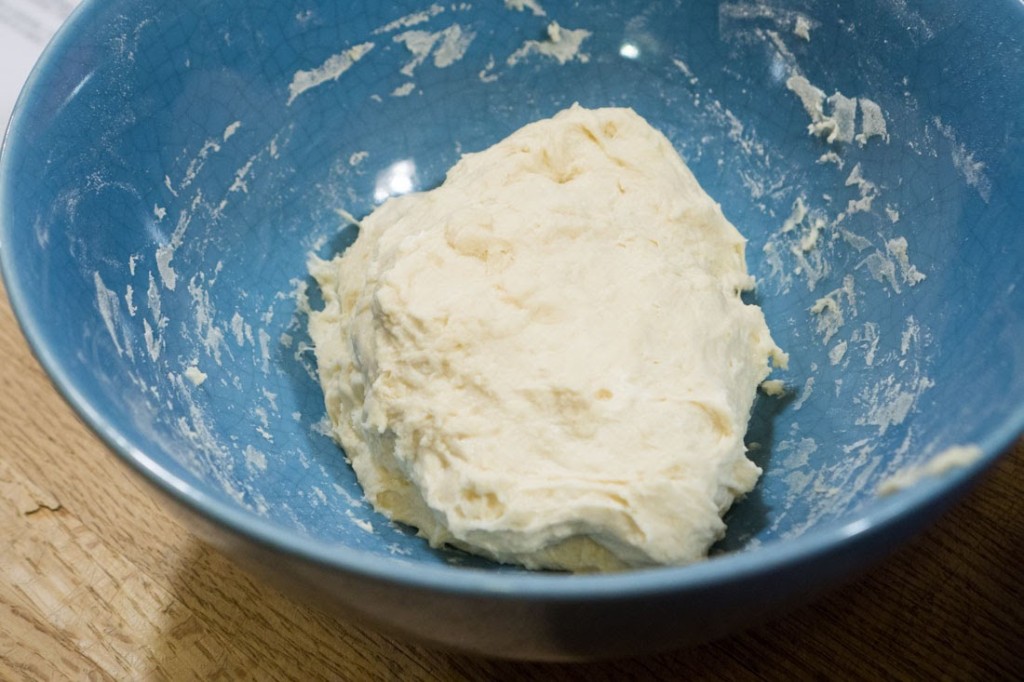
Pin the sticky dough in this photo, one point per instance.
(546, 360)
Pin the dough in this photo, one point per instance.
(546, 360)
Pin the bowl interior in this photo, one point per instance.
(171, 167)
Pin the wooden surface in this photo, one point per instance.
(97, 582)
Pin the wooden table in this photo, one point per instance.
(97, 582)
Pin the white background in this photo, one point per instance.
(26, 26)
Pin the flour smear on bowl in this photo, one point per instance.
(858, 218)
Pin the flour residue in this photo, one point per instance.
(195, 375)
(455, 41)
(210, 335)
(892, 266)
(562, 44)
(802, 27)
(362, 524)
(837, 353)
(897, 249)
(153, 343)
(205, 453)
(795, 248)
(972, 170)
(805, 392)
(733, 15)
(447, 47)
(872, 122)
(404, 90)
(409, 20)
(834, 117)
(836, 126)
(129, 300)
(231, 130)
(830, 318)
(811, 238)
(331, 70)
(255, 460)
(682, 66)
(241, 330)
(165, 252)
(532, 5)
(796, 217)
(110, 310)
(264, 344)
(867, 189)
(890, 400)
(866, 338)
(240, 183)
(153, 302)
(831, 157)
(211, 146)
(917, 28)
(486, 74)
(950, 459)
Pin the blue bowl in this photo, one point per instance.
(170, 166)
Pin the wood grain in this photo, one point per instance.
(97, 582)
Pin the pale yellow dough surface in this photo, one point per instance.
(546, 360)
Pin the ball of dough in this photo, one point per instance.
(546, 360)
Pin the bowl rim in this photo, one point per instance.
(715, 572)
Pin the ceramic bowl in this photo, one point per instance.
(171, 166)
